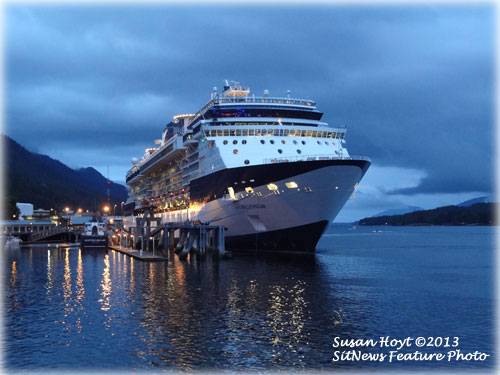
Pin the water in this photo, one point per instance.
(68, 309)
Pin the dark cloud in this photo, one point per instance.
(414, 84)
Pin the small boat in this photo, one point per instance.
(94, 236)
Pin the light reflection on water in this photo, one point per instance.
(106, 284)
(249, 312)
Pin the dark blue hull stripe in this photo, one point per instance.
(213, 186)
(298, 239)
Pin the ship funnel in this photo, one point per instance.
(266, 92)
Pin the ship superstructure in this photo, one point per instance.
(267, 168)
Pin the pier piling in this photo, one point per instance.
(192, 237)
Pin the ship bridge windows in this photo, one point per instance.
(262, 112)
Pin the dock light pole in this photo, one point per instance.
(114, 209)
(152, 238)
(121, 208)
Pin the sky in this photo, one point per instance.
(95, 85)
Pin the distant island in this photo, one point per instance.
(476, 214)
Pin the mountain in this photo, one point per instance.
(476, 214)
(399, 211)
(470, 202)
(48, 183)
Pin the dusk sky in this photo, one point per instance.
(95, 85)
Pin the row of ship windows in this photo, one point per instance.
(280, 151)
(273, 132)
(272, 187)
(271, 141)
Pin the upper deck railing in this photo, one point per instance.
(252, 99)
(263, 99)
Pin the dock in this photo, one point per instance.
(138, 254)
(153, 242)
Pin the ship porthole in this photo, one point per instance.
(244, 141)
(235, 151)
(225, 142)
(247, 161)
(280, 150)
(294, 142)
(272, 142)
(319, 143)
(262, 141)
(283, 141)
(299, 152)
(303, 142)
(235, 142)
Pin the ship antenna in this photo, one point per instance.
(107, 190)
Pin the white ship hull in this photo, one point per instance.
(286, 219)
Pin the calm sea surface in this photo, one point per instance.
(65, 309)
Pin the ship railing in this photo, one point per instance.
(251, 99)
(313, 158)
(263, 99)
(153, 154)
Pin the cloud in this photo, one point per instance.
(414, 84)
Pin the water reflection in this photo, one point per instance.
(249, 312)
(80, 289)
(132, 278)
(183, 315)
(105, 285)
(13, 282)
(67, 279)
(13, 274)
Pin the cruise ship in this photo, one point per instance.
(266, 168)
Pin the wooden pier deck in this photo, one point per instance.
(142, 255)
